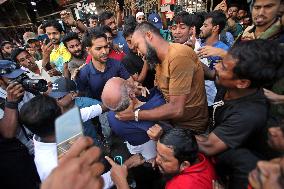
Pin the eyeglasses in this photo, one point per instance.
(141, 18)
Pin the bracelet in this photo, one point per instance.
(136, 115)
(11, 105)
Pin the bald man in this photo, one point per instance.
(119, 95)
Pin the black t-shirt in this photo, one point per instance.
(241, 123)
(134, 64)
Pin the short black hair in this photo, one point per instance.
(69, 36)
(128, 30)
(190, 20)
(91, 34)
(52, 23)
(105, 29)
(94, 17)
(105, 16)
(260, 61)
(4, 43)
(233, 5)
(218, 19)
(199, 19)
(39, 115)
(147, 26)
(130, 20)
(15, 52)
(183, 143)
(183, 17)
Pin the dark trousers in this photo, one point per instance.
(17, 166)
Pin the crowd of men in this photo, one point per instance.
(197, 101)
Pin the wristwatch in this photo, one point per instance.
(136, 115)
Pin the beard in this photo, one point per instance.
(78, 56)
(151, 56)
(169, 176)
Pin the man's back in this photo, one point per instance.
(181, 74)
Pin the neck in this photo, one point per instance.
(66, 108)
(233, 94)
(35, 70)
(163, 52)
(212, 39)
(261, 29)
(48, 139)
(55, 46)
(98, 65)
(136, 103)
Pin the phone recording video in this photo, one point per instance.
(68, 128)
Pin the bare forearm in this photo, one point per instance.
(164, 112)
(208, 74)
(81, 27)
(119, 19)
(9, 123)
(143, 73)
(210, 145)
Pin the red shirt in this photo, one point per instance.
(198, 176)
(113, 55)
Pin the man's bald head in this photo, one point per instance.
(115, 94)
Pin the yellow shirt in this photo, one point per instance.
(59, 57)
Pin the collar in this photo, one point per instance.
(199, 167)
(59, 47)
(95, 71)
(37, 142)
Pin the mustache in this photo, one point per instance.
(104, 56)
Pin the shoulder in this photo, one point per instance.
(181, 51)
(222, 45)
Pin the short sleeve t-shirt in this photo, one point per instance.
(76, 63)
(59, 57)
(135, 133)
(213, 60)
(240, 122)
(92, 81)
(181, 73)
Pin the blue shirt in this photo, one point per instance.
(92, 81)
(88, 126)
(135, 133)
(213, 60)
(121, 42)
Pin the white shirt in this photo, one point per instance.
(46, 160)
(147, 150)
(45, 157)
(43, 73)
(90, 112)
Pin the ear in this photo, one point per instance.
(149, 35)
(74, 94)
(132, 95)
(88, 49)
(184, 165)
(215, 28)
(243, 83)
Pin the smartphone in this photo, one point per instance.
(47, 40)
(68, 128)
